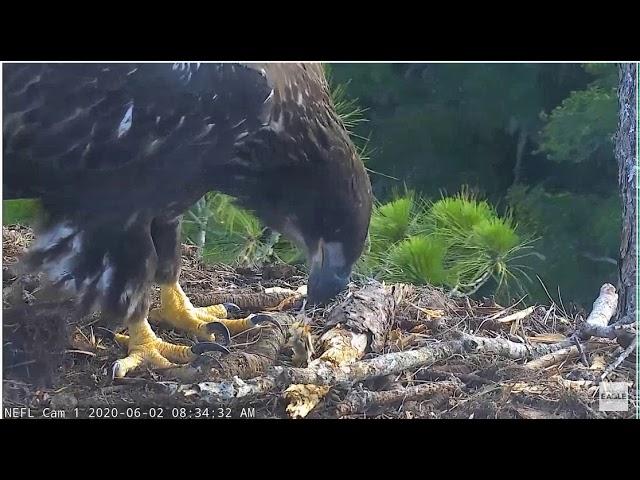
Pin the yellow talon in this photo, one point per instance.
(177, 310)
(217, 311)
(145, 348)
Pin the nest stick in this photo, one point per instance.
(360, 400)
(627, 351)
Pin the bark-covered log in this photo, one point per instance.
(368, 311)
(360, 400)
(627, 173)
(325, 373)
(309, 385)
(312, 383)
(558, 356)
(357, 325)
(624, 334)
(604, 307)
(252, 302)
(507, 348)
(229, 391)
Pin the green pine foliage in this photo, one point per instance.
(235, 236)
(419, 259)
(392, 221)
(460, 242)
(20, 211)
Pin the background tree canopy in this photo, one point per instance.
(481, 172)
(535, 139)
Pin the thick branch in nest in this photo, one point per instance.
(251, 361)
(230, 391)
(558, 356)
(324, 373)
(252, 302)
(359, 324)
(360, 400)
(604, 308)
(625, 334)
(507, 348)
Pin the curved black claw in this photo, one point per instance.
(264, 318)
(232, 309)
(202, 347)
(220, 331)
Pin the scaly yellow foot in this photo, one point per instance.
(146, 349)
(176, 309)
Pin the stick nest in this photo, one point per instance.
(52, 359)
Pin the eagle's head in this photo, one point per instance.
(329, 221)
(303, 177)
(324, 208)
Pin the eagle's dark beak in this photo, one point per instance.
(329, 273)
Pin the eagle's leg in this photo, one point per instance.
(146, 349)
(175, 308)
(132, 265)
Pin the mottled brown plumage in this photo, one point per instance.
(118, 151)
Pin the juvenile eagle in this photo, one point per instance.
(117, 152)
